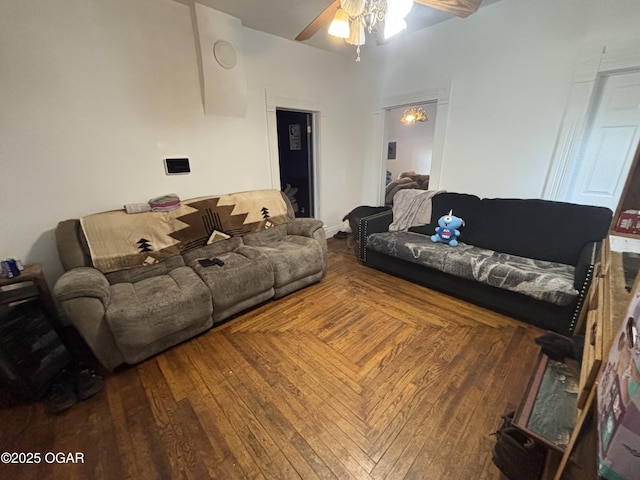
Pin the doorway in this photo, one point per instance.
(609, 142)
(295, 157)
(436, 97)
(410, 146)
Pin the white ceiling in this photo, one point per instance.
(287, 18)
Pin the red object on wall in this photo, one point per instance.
(629, 222)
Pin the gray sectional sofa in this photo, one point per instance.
(168, 295)
(527, 258)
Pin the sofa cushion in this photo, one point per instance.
(463, 206)
(138, 274)
(547, 281)
(265, 237)
(243, 280)
(213, 250)
(293, 257)
(140, 313)
(539, 229)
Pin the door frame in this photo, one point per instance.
(438, 94)
(276, 101)
(307, 130)
(390, 126)
(593, 66)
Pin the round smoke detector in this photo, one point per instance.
(224, 54)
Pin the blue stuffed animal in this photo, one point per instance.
(448, 231)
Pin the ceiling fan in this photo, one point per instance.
(459, 8)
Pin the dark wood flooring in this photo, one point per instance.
(362, 376)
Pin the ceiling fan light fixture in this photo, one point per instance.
(353, 7)
(361, 15)
(339, 27)
(413, 115)
(357, 35)
(370, 12)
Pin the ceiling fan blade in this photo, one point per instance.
(317, 23)
(459, 8)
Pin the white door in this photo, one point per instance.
(610, 142)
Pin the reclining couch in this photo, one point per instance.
(527, 258)
(165, 296)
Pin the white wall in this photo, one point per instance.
(511, 66)
(95, 93)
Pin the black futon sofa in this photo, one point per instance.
(530, 259)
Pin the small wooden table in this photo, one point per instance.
(29, 284)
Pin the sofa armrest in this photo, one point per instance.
(305, 227)
(376, 223)
(585, 265)
(82, 282)
(312, 228)
(87, 315)
(583, 276)
(71, 244)
(84, 294)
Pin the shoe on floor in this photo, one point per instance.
(87, 383)
(62, 394)
(341, 235)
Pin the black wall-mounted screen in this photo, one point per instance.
(176, 166)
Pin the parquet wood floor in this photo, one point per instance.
(362, 376)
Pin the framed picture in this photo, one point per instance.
(391, 151)
(295, 138)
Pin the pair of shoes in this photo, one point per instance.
(69, 387)
(516, 454)
(62, 394)
(88, 383)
